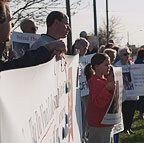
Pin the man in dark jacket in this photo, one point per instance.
(41, 55)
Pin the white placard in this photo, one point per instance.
(21, 42)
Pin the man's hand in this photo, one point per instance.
(58, 48)
(57, 45)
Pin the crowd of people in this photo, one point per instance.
(101, 87)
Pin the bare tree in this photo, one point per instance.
(114, 27)
(39, 9)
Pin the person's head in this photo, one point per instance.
(116, 48)
(111, 41)
(101, 48)
(109, 45)
(28, 26)
(5, 21)
(124, 54)
(80, 46)
(140, 52)
(101, 64)
(111, 53)
(57, 25)
(83, 34)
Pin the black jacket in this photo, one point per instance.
(31, 58)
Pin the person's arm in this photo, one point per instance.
(57, 45)
(58, 49)
(100, 94)
(34, 57)
(30, 58)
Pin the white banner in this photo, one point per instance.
(73, 129)
(133, 79)
(21, 42)
(113, 115)
(37, 104)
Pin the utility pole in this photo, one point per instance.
(95, 23)
(107, 21)
(128, 37)
(95, 18)
(69, 37)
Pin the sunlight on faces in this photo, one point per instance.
(64, 27)
(31, 28)
(83, 50)
(124, 54)
(103, 68)
(110, 76)
(125, 57)
(112, 57)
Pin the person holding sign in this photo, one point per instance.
(140, 102)
(31, 58)
(101, 93)
(57, 28)
(129, 102)
(80, 47)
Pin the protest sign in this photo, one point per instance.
(113, 114)
(133, 80)
(21, 42)
(83, 87)
(34, 106)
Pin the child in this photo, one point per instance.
(101, 93)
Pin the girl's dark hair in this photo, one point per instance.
(98, 58)
(53, 16)
(88, 71)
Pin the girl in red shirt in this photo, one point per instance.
(101, 93)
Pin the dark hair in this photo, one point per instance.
(109, 45)
(116, 48)
(88, 71)
(24, 23)
(98, 58)
(140, 52)
(53, 16)
(2, 12)
(111, 41)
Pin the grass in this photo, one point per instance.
(138, 128)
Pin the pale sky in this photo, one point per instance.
(130, 13)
